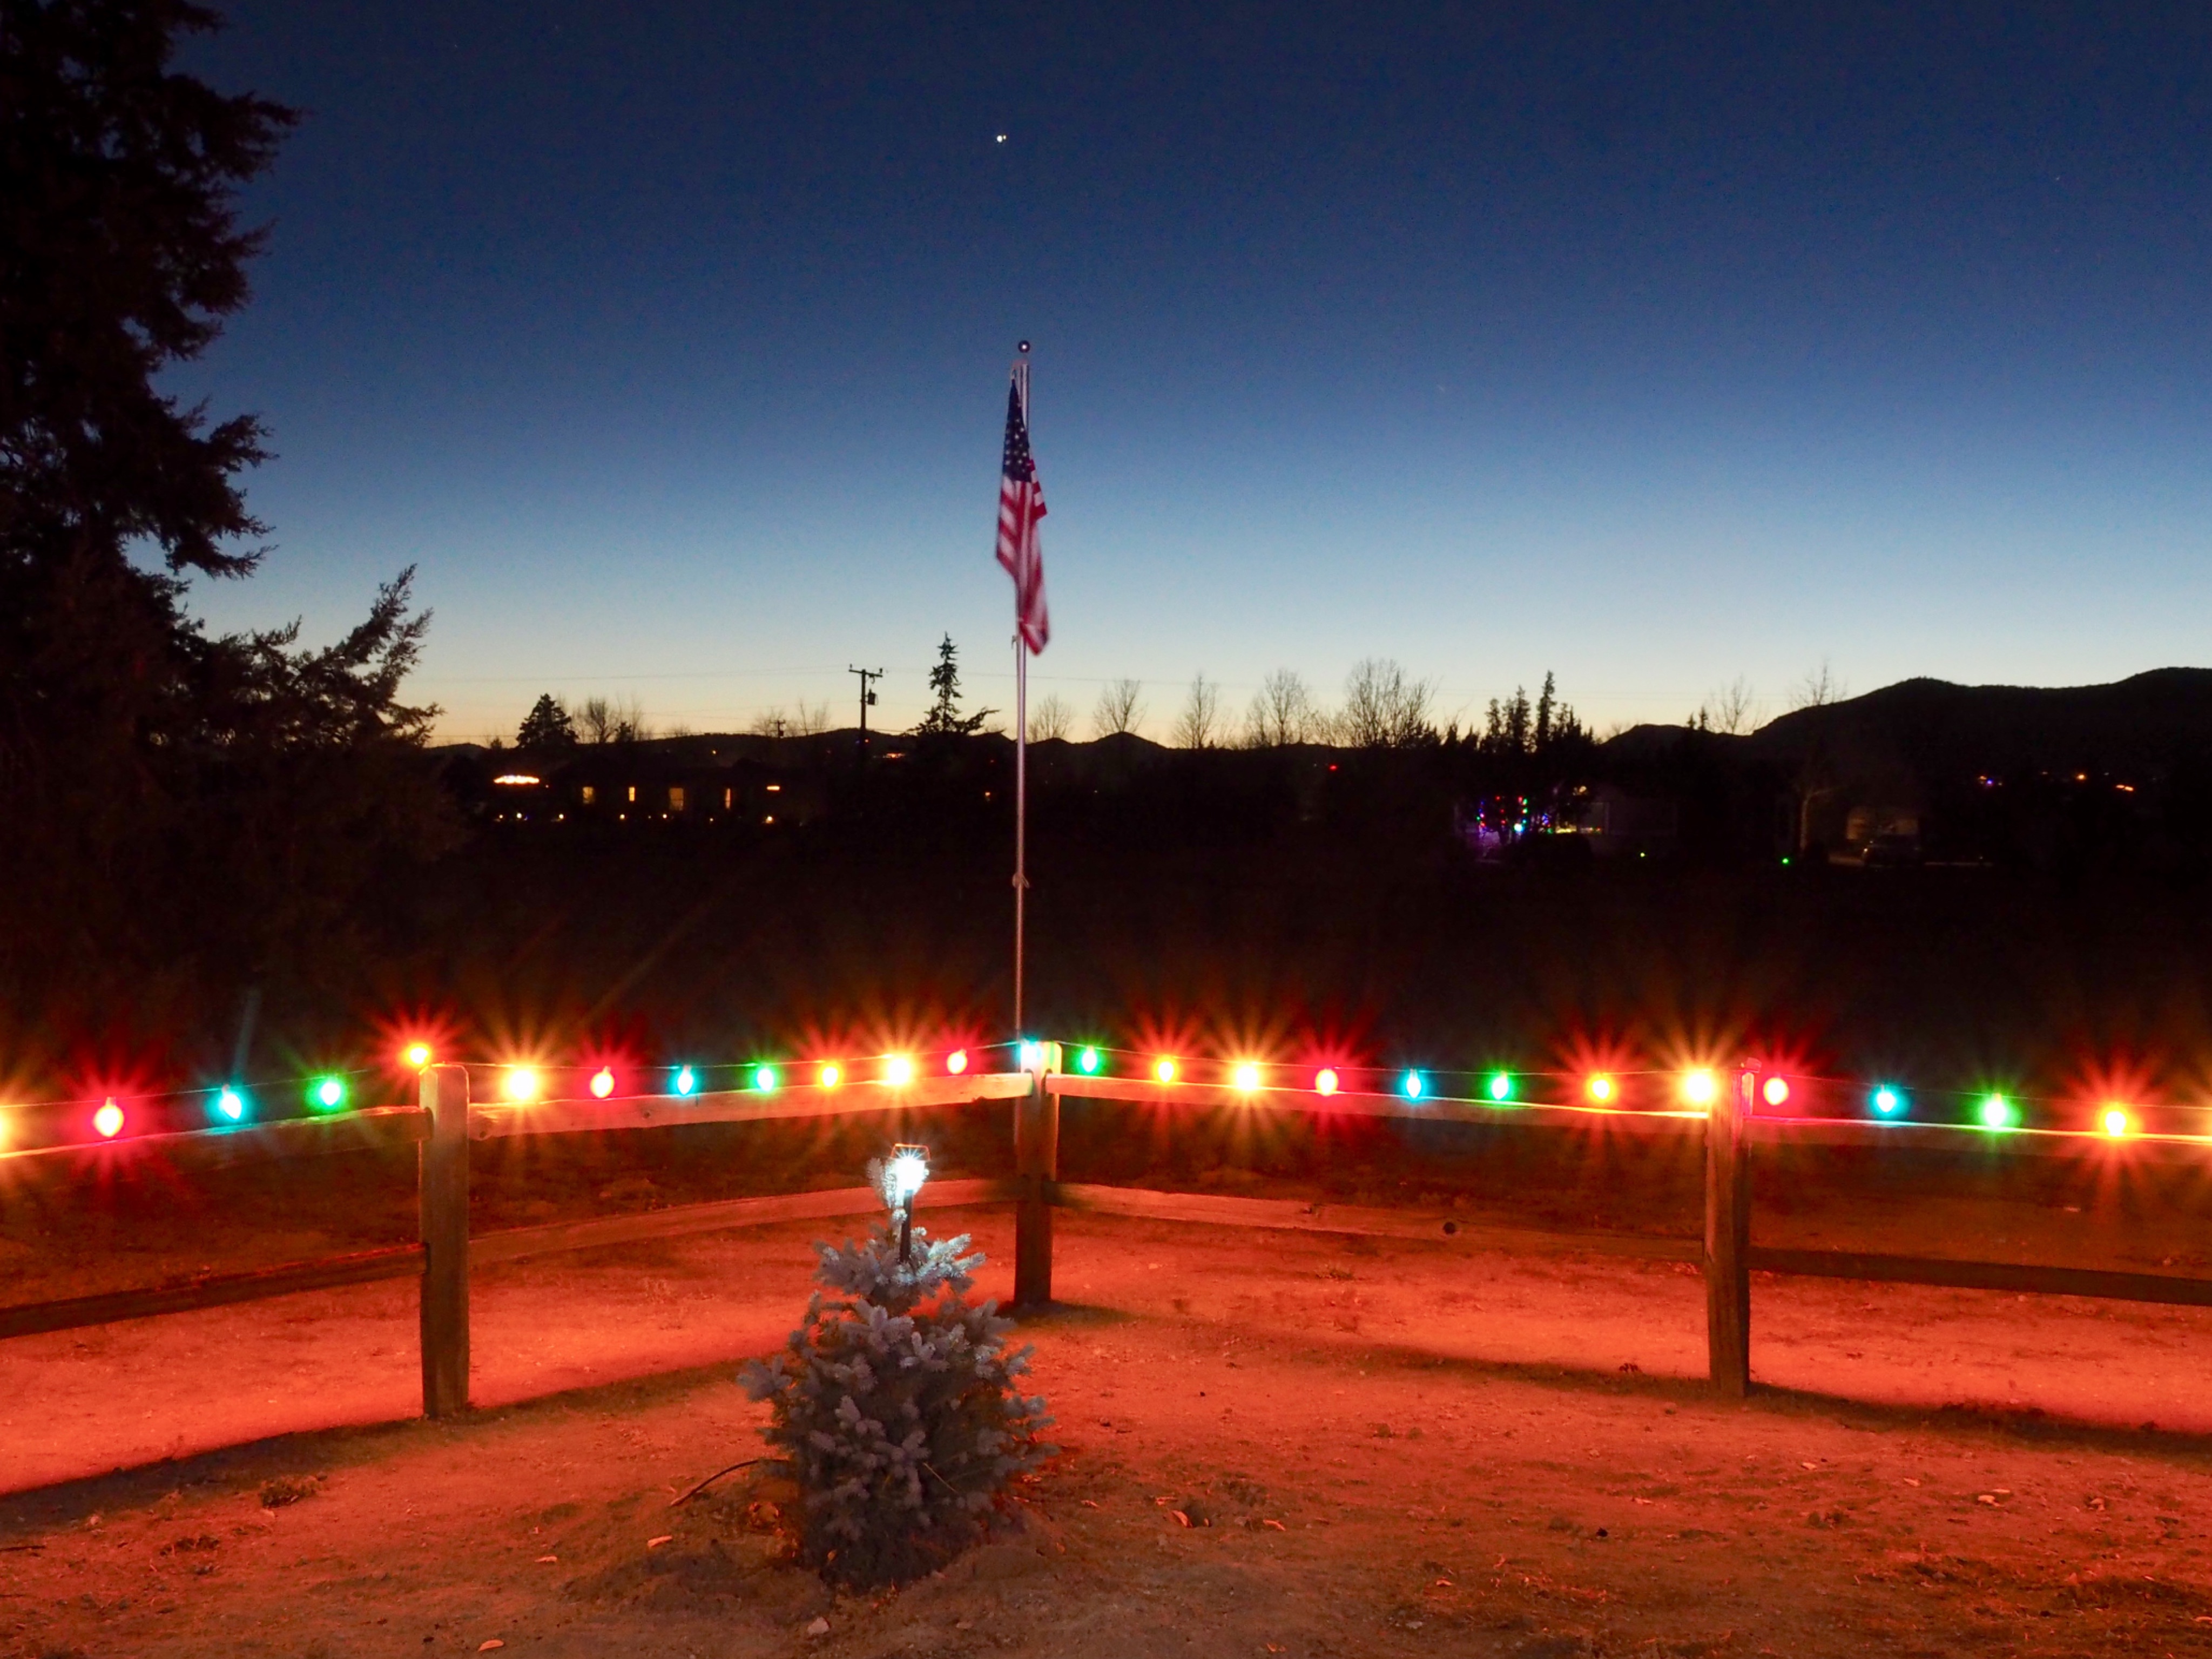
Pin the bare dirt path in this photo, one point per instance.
(1385, 1448)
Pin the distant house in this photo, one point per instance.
(621, 784)
(1620, 823)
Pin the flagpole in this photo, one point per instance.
(1021, 750)
(1021, 811)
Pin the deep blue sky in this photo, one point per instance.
(1652, 345)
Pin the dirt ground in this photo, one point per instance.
(1383, 1447)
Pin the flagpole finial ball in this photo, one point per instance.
(1023, 348)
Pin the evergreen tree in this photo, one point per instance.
(895, 1406)
(945, 719)
(546, 729)
(199, 811)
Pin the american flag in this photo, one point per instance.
(1021, 506)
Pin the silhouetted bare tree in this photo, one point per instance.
(1283, 711)
(1199, 724)
(1383, 707)
(1727, 709)
(1121, 708)
(603, 720)
(1818, 688)
(1050, 717)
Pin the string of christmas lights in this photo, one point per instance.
(1601, 1091)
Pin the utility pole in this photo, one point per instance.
(868, 697)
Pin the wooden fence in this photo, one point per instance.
(445, 1123)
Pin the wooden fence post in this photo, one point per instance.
(1728, 1238)
(1037, 1166)
(443, 1193)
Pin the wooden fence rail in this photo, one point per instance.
(445, 1124)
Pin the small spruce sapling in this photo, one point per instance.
(895, 1406)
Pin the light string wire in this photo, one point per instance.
(1502, 1089)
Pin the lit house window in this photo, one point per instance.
(729, 798)
(676, 798)
(775, 788)
(633, 791)
(591, 793)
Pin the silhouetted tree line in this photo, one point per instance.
(181, 813)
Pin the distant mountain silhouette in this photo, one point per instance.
(1933, 728)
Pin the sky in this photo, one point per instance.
(1655, 347)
